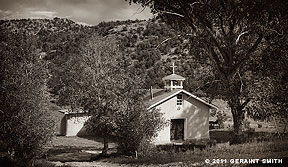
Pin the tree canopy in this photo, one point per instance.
(232, 36)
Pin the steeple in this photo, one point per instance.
(173, 81)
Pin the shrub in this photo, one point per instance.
(247, 124)
(221, 118)
(137, 127)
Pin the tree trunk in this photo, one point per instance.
(105, 148)
(238, 124)
(238, 115)
(238, 121)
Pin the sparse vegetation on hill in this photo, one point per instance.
(149, 46)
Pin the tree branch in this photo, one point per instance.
(222, 25)
(206, 84)
(246, 57)
(243, 105)
(238, 38)
(216, 60)
(177, 14)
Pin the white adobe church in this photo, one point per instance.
(188, 114)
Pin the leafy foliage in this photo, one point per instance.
(97, 82)
(24, 122)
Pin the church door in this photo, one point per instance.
(177, 129)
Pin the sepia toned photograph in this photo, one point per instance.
(147, 83)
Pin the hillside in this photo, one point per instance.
(149, 47)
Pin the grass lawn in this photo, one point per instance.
(66, 149)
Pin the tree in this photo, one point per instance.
(90, 84)
(99, 82)
(230, 35)
(271, 91)
(25, 125)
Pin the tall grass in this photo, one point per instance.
(265, 149)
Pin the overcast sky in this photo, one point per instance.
(89, 12)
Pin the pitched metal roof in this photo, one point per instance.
(173, 77)
(165, 95)
(159, 96)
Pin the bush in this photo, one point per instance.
(187, 145)
(221, 118)
(246, 124)
(137, 127)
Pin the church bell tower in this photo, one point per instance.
(173, 81)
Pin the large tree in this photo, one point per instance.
(25, 125)
(231, 36)
(99, 82)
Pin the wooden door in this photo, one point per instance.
(177, 129)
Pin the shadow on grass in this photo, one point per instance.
(71, 152)
(111, 139)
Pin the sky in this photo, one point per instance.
(87, 12)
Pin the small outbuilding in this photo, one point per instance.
(72, 123)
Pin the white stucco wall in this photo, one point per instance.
(75, 124)
(195, 114)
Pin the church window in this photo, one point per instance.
(179, 100)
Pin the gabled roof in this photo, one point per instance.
(159, 96)
(167, 95)
(173, 77)
(70, 111)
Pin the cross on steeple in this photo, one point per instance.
(173, 67)
(173, 81)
